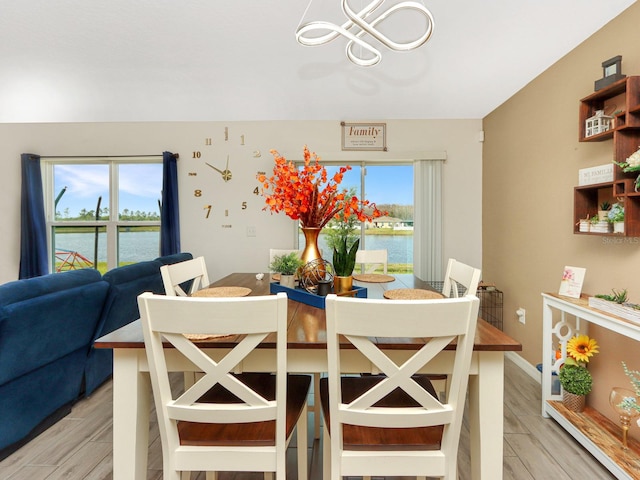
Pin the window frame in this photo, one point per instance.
(111, 224)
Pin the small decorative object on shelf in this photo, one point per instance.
(611, 72)
(574, 377)
(616, 217)
(603, 213)
(599, 123)
(632, 164)
(625, 403)
(572, 280)
(576, 383)
(616, 304)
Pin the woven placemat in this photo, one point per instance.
(195, 337)
(373, 278)
(222, 292)
(411, 294)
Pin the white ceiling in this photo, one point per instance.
(206, 60)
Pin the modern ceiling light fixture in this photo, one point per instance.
(357, 27)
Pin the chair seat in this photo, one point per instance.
(368, 438)
(254, 433)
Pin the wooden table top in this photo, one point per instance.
(307, 327)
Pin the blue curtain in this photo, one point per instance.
(169, 215)
(34, 260)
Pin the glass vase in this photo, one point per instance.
(623, 402)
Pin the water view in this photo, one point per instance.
(144, 245)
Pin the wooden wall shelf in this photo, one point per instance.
(623, 98)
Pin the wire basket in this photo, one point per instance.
(491, 306)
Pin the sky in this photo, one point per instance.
(141, 185)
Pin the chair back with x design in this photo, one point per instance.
(225, 421)
(394, 424)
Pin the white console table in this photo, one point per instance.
(596, 433)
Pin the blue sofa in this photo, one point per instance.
(47, 328)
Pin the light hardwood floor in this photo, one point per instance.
(80, 445)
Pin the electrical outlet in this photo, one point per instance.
(251, 231)
(521, 313)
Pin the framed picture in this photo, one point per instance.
(364, 136)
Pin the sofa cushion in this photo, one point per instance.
(46, 318)
(120, 308)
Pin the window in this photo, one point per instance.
(391, 188)
(102, 213)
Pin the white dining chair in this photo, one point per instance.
(393, 424)
(225, 421)
(459, 274)
(370, 260)
(184, 278)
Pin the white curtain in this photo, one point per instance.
(427, 225)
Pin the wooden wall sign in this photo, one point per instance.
(364, 136)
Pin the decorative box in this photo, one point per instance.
(302, 296)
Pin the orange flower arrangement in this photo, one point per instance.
(305, 194)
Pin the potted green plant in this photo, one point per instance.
(616, 217)
(344, 261)
(287, 266)
(603, 213)
(576, 383)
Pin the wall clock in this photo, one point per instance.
(221, 195)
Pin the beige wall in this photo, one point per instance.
(230, 249)
(531, 158)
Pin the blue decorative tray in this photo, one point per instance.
(302, 296)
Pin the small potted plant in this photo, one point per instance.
(576, 383)
(616, 217)
(603, 213)
(344, 261)
(574, 377)
(287, 266)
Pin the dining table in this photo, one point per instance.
(306, 353)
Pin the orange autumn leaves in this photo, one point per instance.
(306, 194)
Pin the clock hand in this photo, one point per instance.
(227, 167)
(216, 169)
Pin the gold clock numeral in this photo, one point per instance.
(226, 213)
(208, 209)
(193, 174)
(207, 141)
(244, 205)
(241, 139)
(256, 191)
(197, 193)
(196, 155)
(226, 134)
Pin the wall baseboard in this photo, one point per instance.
(529, 369)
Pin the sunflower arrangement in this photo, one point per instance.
(580, 349)
(307, 194)
(573, 375)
